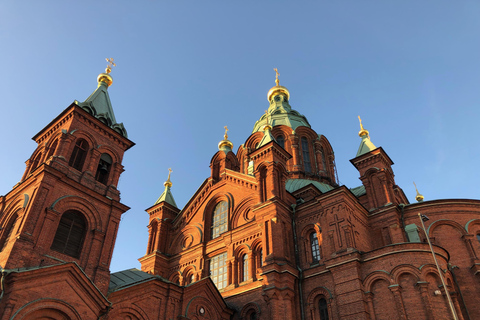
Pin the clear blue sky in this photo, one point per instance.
(185, 69)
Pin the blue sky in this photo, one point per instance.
(185, 69)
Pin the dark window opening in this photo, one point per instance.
(306, 155)
(79, 154)
(322, 306)
(281, 141)
(51, 149)
(70, 234)
(103, 170)
(8, 232)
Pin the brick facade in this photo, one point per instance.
(269, 235)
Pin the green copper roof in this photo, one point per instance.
(167, 197)
(267, 138)
(365, 146)
(281, 113)
(358, 191)
(98, 104)
(293, 185)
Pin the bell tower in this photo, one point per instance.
(66, 208)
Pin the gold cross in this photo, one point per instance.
(361, 126)
(110, 65)
(226, 135)
(169, 173)
(276, 76)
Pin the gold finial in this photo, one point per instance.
(168, 183)
(362, 132)
(418, 197)
(225, 136)
(267, 126)
(110, 65)
(276, 76)
(225, 143)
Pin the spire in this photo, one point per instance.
(366, 145)
(267, 134)
(167, 196)
(98, 103)
(418, 197)
(225, 145)
(278, 89)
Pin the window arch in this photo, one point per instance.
(77, 159)
(103, 169)
(219, 219)
(280, 140)
(70, 234)
(314, 246)
(306, 155)
(10, 226)
(35, 162)
(323, 309)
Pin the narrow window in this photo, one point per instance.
(261, 257)
(52, 149)
(79, 154)
(218, 270)
(281, 141)
(324, 163)
(8, 232)
(322, 306)
(478, 237)
(306, 155)
(245, 267)
(315, 247)
(70, 234)
(103, 169)
(35, 163)
(191, 279)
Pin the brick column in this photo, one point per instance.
(395, 289)
(423, 285)
(371, 310)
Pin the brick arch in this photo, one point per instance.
(212, 203)
(374, 276)
(187, 271)
(399, 270)
(320, 291)
(427, 269)
(253, 140)
(471, 224)
(82, 205)
(127, 309)
(313, 301)
(81, 134)
(239, 215)
(434, 225)
(306, 132)
(116, 158)
(196, 303)
(190, 236)
(19, 203)
(242, 249)
(175, 277)
(248, 308)
(54, 308)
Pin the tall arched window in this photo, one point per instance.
(51, 149)
(245, 267)
(478, 237)
(324, 162)
(35, 162)
(323, 308)
(280, 140)
(315, 247)
(70, 234)
(8, 232)
(306, 155)
(219, 219)
(103, 169)
(79, 154)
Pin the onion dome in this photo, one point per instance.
(167, 196)
(106, 77)
(278, 89)
(366, 145)
(418, 197)
(225, 145)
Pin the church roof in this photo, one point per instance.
(167, 196)
(293, 185)
(130, 277)
(366, 145)
(358, 191)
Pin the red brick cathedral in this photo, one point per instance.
(269, 235)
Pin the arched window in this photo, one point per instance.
(306, 155)
(103, 169)
(35, 162)
(79, 154)
(218, 270)
(70, 234)
(280, 140)
(315, 247)
(244, 267)
(323, 308)
(8, 232)
(191, 279)
(324, 163)
(478, 237)
(51, 149)
(219, 220)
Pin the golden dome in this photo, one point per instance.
(362, 131)
(106, 77)
(225, 143)
(276, 90)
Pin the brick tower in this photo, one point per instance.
(61, 220)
